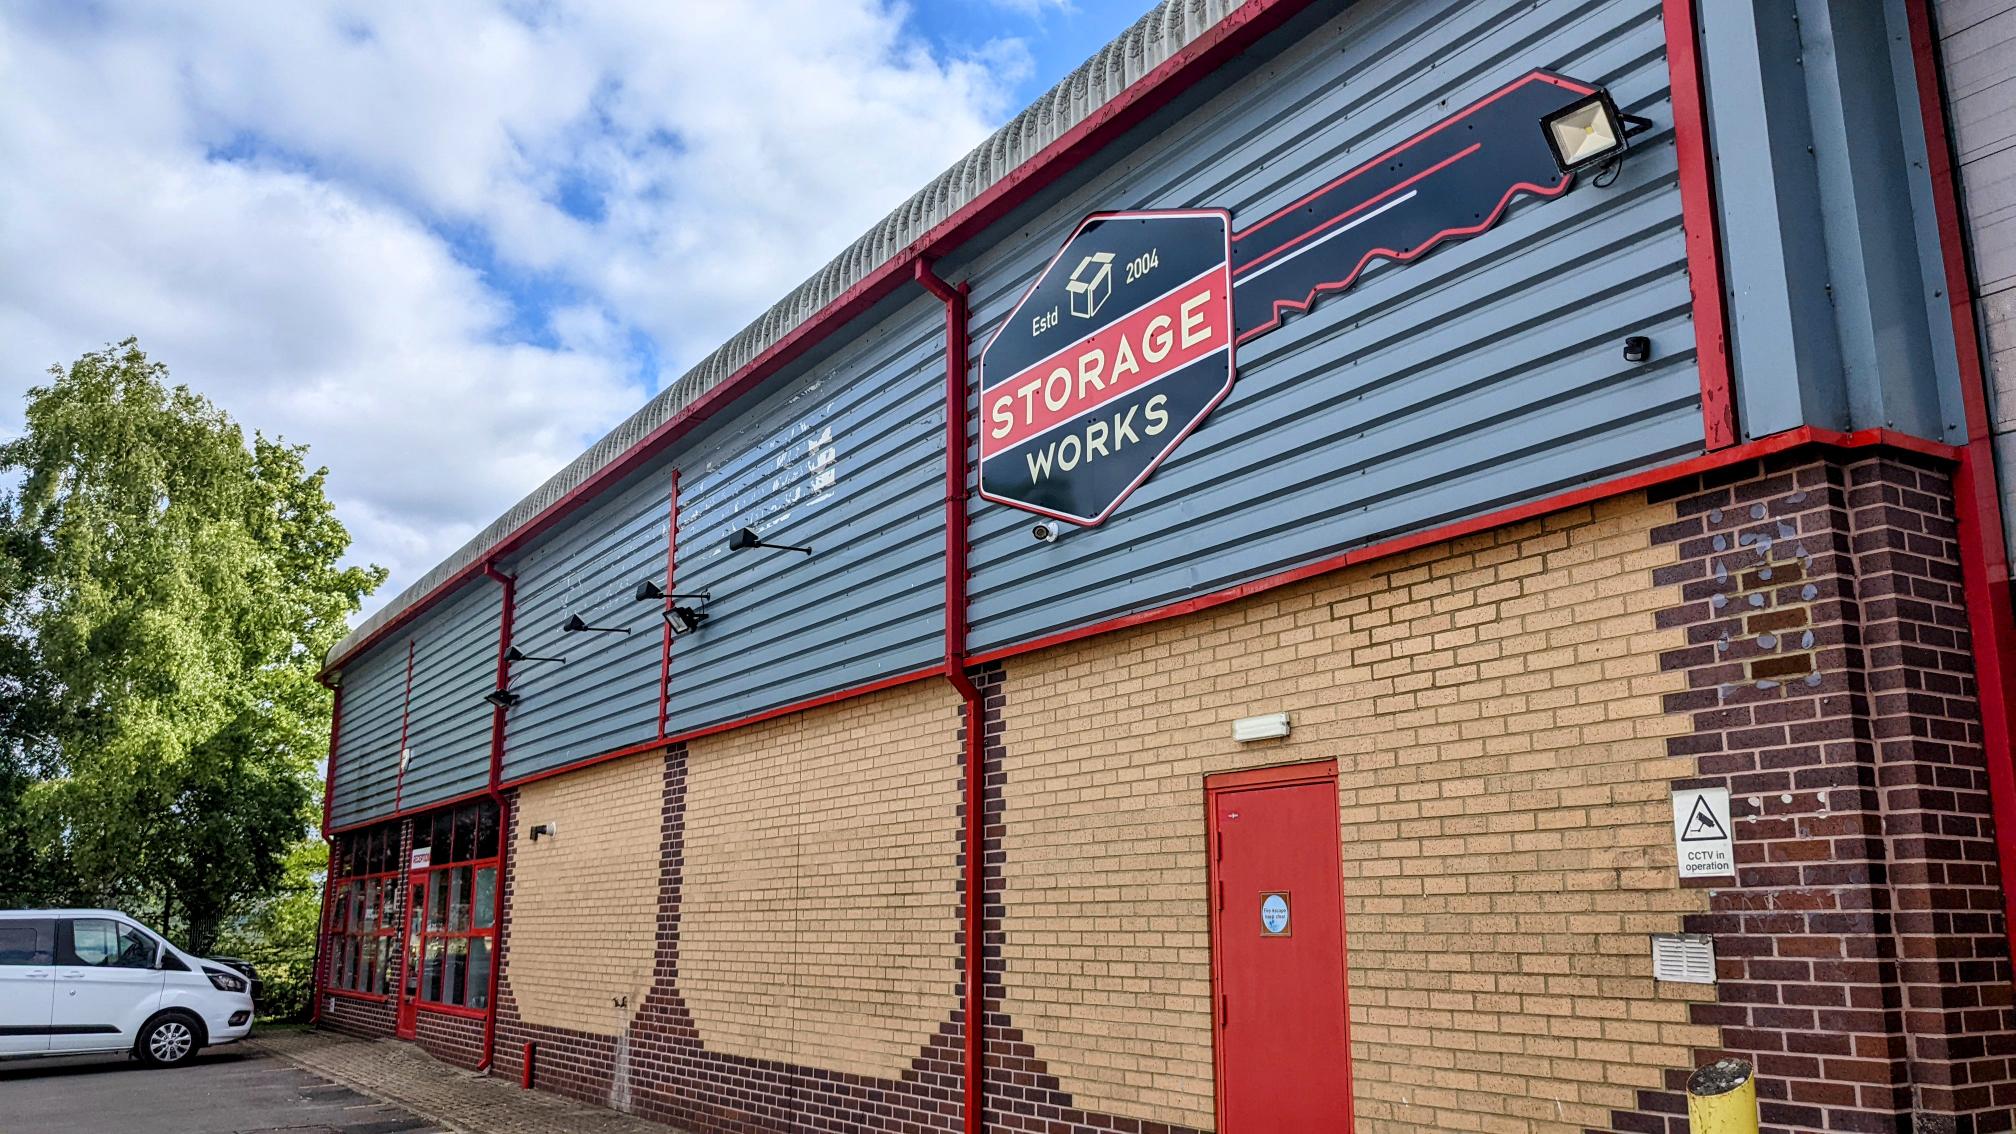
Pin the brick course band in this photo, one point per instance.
(1861, 954)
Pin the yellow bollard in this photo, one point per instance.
(1722, 1099)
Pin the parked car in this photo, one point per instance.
(249, 971)
(79, 981)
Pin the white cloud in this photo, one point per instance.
(260, 192)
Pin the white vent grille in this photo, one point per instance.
(1685, 957)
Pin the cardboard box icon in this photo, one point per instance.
(1091, 282)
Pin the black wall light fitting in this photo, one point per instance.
(1637, 348)
(747, 538)
(1591, 133)
(684, 619)
(574, 625)
(502, 698)
(514, 654)
(648, 590)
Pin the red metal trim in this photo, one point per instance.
(328, 873)
(973, 1010)
(1278, 775)
(671, 569)
(434, 1009)
(1231, 35)
(506, 615)
(1697, 213)
(1984, 566)
(1776, 443)
(405, 723)
(409, 812)
(1274, 775)
(367, 997)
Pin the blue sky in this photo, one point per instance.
(448, 244)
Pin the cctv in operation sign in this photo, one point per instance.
(1117, 351)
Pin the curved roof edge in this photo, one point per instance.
(1153, 39)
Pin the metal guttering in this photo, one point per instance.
(1484, 375)
(1163, 54)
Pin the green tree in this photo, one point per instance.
(168, 595)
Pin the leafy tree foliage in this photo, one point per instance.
(166, 597)
(277, 932)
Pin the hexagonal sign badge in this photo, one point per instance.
(1121, 347)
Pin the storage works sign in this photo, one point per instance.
(1120, 349)
(1125, 342)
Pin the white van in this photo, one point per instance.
(79, 981)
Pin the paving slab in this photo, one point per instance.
(463, 1101)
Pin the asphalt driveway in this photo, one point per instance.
(231, 1090)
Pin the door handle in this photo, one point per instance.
(73, 976)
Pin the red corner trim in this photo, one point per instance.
(1231, 35)
(1984, 565)
(1697, 212)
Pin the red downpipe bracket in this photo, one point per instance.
(505, 613)
(974, 1010)
(1984, 560)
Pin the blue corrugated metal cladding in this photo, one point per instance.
(1489, 372)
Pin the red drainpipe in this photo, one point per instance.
(510, 585)
(1984, 562)
(328, 872)
(955, 671)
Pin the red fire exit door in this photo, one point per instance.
(1277, 948)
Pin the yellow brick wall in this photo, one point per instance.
(584, 908)
(820, 895)
(1494, 708)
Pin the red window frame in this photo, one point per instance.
(366, 894)
(463, 848)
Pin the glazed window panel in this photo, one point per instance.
(461, 916)
(364, 901)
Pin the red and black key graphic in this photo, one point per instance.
(1127, 339)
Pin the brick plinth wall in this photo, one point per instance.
(451, 1039)
(1861, 954)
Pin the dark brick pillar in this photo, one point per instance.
(1862, 959)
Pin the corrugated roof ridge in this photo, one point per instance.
(1165, 30)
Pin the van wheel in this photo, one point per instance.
(169, 1040)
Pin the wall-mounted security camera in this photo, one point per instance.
(547, 829)
(1048, 531)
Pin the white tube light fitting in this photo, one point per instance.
(1273, 726)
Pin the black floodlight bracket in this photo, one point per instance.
(747, 538)
(684, 619)
(574, 625)
(647, 591)
(502, 698)
(514, 654)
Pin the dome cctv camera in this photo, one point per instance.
(1047, 532)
